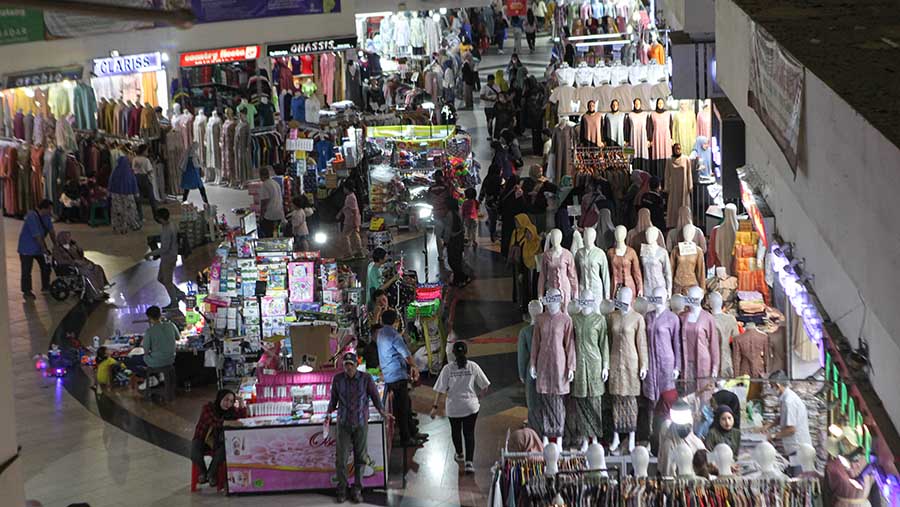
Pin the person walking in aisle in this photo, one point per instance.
(143, 172)
(32, 247)
(500, 26)
(271, 204)
(491, 189)
(540, 12)
(456, 243)
(191, 177)
(351, 391)
(168, 256)
(461, 382)
(351, 221)
(470, 79)
(517, 33)
(398, 369)
(489, 95)
(530, 27)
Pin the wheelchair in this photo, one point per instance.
(68, 281)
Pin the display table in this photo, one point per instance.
(273, 456)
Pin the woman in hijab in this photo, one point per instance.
(635, 237)
(527, 243)
(491, 190)
(606, 230)
(209, 439)
(190, 175)
(627, 210)
(500, 81)
(703, 155)
(512, 202)
(723, 430)
(525, 440)
(123, 189)
(66, 252)
(676, 235)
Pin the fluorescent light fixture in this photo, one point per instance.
(442, 10)
(680, 413)
(436, 17)
(424, 212)
(597, 36)
(29, 92)
(114, 53)
(304, 368)
(320, 238)
(164, 57)
(602, 43)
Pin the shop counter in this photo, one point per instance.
(273, 455)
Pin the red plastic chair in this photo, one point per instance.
(195, 477)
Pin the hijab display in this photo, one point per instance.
(688, 264)
(721, 252)
(213, 158)
(659, 131)
(727, 328)
(636, 132)
(676, 235)
(242, 149)
(613, 125)
(657, 271)
(663, 347)
(684, 125)
(637, 236)
(591, 125)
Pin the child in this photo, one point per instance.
(106, 368)
(470, 216)
(299, 228)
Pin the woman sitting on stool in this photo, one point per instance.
(209, 438)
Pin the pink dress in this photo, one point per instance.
(636, 128)
(326, 69)
(661, 124)
(558, 272)
(553, 352)
(352, 219)
(704, 122)
(700, 342)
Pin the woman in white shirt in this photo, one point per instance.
(449, 82)
(461, 381)
(299, 228)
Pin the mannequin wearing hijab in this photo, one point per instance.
(659, 131)
(613, 125)
(722, 240)
(678, 185)
(606, 231)
(676, 235)
(637, 132)
(636, 236)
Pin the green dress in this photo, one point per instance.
(532, 400)
(583, 412)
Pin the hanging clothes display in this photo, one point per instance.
(226, 146)
(636, 135)
(727, 327)
(242, 151)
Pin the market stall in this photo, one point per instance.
(132, 82)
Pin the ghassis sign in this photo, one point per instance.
(223, 55)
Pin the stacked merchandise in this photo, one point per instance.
(198, 226)
(811, 393)
(749, 259)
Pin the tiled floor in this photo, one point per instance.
(120, 450)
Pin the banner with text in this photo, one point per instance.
(21, 25)
(208, 11)
(776, 92)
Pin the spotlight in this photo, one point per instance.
(320, 238)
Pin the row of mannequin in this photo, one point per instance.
(611, 75)
(127, 119)
(221, 147)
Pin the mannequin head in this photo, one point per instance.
(591, 107)
(715, 302)
(176, 109)
(730, 216)
(623, 299)
(652, 236)
(688, 232)
(614, 106)
(637, 105)
(684, 460)
(723, 457)
(640, 459)
(620, 233)
(535, 308)
(765, 456)
(806, 455)
(721, 272)
(596, 456)
(677, 303)
(551, 458)
(555, 239)
(586, 304)
(553, 300)
(577, 242)
(660, 296)
(695, 295)
(590, 237)
(660, 104)
(573, 308)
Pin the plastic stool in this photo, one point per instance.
(195, 476)
(99, 214)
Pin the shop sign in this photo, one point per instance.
(776, 92)
(44, 76)
(21, 25)
(131, 64)
(223, 55)
(516, 8)
(756, 216)
(312, 46)
(208, 11)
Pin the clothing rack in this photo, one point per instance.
(804, 492)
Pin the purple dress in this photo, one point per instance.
(664, 347)
(701, 348)
(553, 352)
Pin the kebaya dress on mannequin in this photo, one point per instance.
(628, 360)
(558, 270)
(593, 268)
(727, 328)
(624, 264)
(583, 417)
(700, 342)
(664, 355)
(553, 362)
(655, 261)
(532, 400)
(636, 237)
(687, 263)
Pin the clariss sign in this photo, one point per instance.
(224, 55)
(131, 64)
(311, 46)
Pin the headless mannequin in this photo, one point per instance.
(677, 304)
(226, 146)
(200, 122)
(727, 328)
(593, 269)
(532, 400)
(242, 149)
(591, 370)
(684, 461)
(765, 457)
(558, 270)
(655, 259)
(213, 149)
(628, 355)
(624, 264)
(700, 341)
(551, 458)
(554, 351)
(640, 460)
(724, 459)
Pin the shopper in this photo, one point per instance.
(143, 172)
(540, 12)
(516, 24)
(456, 243)
(209, 436)
(375, 274)
(448, 82)
(192, 175)
(439, 194)
(32, 246)
(470, 211)
(271, 204)
(516, 73)
(398, 369)
(489, 96)
(461, 381)
(159, 341)
(67, 253)
(701, 465)
(491, 189)
(500, 26)
(531, 26)
(654, 201)
(470, 80)
(512, 202)
(107, 368)
(123, 190)
(525, 244)
(794, 418)
(723, 430)
(168, 256)
(351, 391)
(352, 219)
(533, 113)
(726, 397)
(299, 227)
(504, 114)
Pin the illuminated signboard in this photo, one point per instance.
(131, 64)
(311, 46)
(223, 55)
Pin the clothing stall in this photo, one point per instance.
(137, 80)
(34, 101)
(217, 79)
(401, 33)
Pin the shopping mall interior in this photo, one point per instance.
(521, 252)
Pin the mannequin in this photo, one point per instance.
(659, 131)
(723, 457)
(591, 126)
(765, 456)
(678, 182)
(614, 125)
(596, 456)
(750, 351)
(553, 355)
(200, 124)
(687, 263)
(684, 461)
(565, 75)
(242, 150)
(532, 400)
(806, 457)
(664, 357)
(676, 235)
(187, 129)
(700, 342)
(624, 264)
(591, 370)
(640, 460)
(247, 111)
(593, 268)
(677, 430)
(584, 75)
(551, 458)
(637, 236)
(628, 357)
(725, 285)
(655, 260)
(722, 240)
(558, 270)
(726, 328)
(636, 135)
(685, 125)
(704, 121)
(226, 146)
(213, 157)
(265, 112)
(677, 304)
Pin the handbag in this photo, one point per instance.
(514, 256)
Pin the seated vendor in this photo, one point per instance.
(209, 436)
(158, 346)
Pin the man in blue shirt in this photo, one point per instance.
(32, 247)
(375, 275)
(395, 360)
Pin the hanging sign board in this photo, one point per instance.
(223, 55)
(44, 76)
(131, 64)
(21, 25)
(311, 46)
(299, 144)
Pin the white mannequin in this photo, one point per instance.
(688, 232)
(715, 303)
(555, 243)
(624, 298)
(640, 460)
(723, 457)
(573, 308)
(596, 456)
(620, 234)
(806, 456)
(553, 305)
(684, 461)
(577, 243)
(593, 268)
(652, 249)
(535, 308)
(662, 305)
(588, 305)
(551, 458)
(696, 293)
(765, 458)
(677, 304)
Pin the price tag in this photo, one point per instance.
(574, 211)
(687, 248)
(619, 305)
